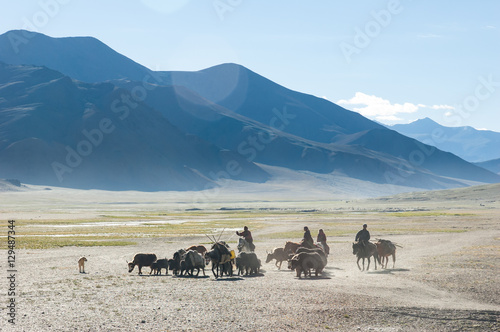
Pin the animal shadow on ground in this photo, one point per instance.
(229, 279)
(333, 268)
(191, 277)
(313, 277)
(256, 275)
(325, 275)
(387, 271)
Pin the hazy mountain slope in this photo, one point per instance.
(83, 58)
(12, 185)
(263, 144)
(466, 142)
(255, 118)
(417, 154)
(491, 165)
(315, 119)
(55, 131)
(255, 97)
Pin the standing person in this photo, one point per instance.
(363, 236)
(321, 238)
(247, 235)
(308, 240)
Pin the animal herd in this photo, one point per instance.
(305, 261)
(185, 261)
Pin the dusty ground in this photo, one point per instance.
(445, 277)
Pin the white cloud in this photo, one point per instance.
(441, 107)
(383, 109)
(376, 106)
(389, 118)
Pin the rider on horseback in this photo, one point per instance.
(363, 236)
(307, 241)
(321, 238)
(247, 235)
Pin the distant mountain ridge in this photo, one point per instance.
(491, 165)
(191, 128)
(83, 58)
(466, 142)
(60, 132)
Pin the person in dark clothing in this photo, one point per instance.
(308, 240)
(321, 238)
(247, 235)
(363, 236)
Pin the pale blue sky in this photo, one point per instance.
(393, 61)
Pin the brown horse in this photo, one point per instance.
(291, 247)
(365, 250)
(199, 248)
(386, 248)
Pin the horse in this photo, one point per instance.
(386, 248)
(365, 250)
(244, 245)
(291, 246)
(324, 246)
(199, 248)
(221, 259)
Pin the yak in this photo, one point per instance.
(320, 251)
(279, 255)
(141, 260)
(158, 265)
(193, 260)
(175, 263)
(305, 262)
(247, 262)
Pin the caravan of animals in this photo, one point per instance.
(304, 257)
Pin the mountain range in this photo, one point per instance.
(75, 113)
(466, 142)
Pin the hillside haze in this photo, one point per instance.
(56, 131)
(466, 142)
(188, 130)
(86, 59)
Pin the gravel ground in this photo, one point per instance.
(443, 280)
(425, 291)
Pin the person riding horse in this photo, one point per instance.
(247, 235)
(321, 238)
(363, 236)
(307, 241)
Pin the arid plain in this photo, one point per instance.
(445, 277)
